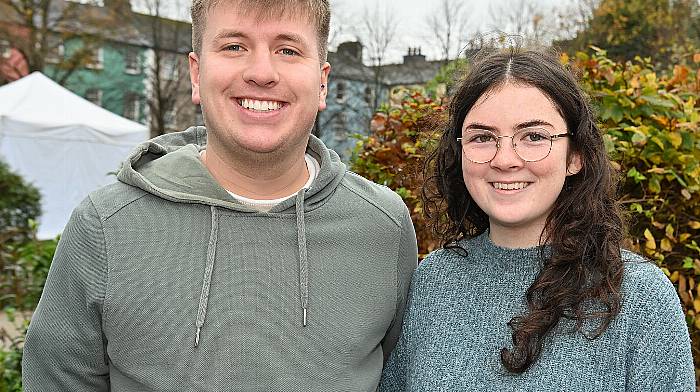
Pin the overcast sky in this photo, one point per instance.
(410, 17)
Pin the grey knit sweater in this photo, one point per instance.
(165, 282)
(456, 325)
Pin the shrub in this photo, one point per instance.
(652, 124)
(19, 204)
(26, 265)
(11, 356)
(24, 261)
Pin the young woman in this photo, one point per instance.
(532, 291)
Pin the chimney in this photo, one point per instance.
(414, 56)
(351, 51)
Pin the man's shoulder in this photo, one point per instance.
(113, 197)
(379, 196)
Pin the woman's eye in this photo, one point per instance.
(289, 52)
(534, 136)
(481, 138)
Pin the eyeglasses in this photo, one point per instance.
(530, 144)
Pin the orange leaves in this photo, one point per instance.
(680, 75)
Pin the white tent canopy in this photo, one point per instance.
(62, 144)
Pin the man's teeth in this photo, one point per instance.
(261, 106)
(510, 186)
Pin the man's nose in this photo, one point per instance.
(260, 70)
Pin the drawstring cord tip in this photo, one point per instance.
(304, 321)
(196, 339)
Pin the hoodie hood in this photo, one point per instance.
(169, 167)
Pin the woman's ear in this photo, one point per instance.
(575, 164)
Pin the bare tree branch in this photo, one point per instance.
(523, 18)
(169, 86)
(447, 25)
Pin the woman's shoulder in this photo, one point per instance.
(437, 260)
(644, 284)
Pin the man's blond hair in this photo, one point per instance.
(317, 11)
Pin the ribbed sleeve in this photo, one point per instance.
(65, 347)
(659, 358)
(406, 263)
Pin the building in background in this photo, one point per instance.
(356, 91)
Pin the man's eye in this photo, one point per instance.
(234, 48)
(289, 52)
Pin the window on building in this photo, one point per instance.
(132, 64)
(340, 92)
(132, 106)
(368, 95)
(94, 95)
(54, 49)
(95, 59)
(340, 126)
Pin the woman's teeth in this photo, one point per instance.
(510, 186)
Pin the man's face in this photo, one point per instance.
(258, 81)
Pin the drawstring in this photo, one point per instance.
(211, 256)
(209, 268)
(303, 261)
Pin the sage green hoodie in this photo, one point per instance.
(164, 282)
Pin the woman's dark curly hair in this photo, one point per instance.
(580, 278)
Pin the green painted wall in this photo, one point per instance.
(112, 79)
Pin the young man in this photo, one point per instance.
(240, 257)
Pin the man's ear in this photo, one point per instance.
(323, 92)
(575, 164)
(194, 77)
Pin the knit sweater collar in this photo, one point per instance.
(482, 250)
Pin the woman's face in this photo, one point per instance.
(517, 195)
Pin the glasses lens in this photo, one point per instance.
(532, 144)
(479, 145)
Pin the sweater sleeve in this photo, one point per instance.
(660, 357)
(406, 264)
(65, 348)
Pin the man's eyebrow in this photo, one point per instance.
(230, 34)
(292, 37)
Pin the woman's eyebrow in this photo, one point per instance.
(522, 125)
(476, 125)
(533, 123)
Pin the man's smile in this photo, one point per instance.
(259, 105)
